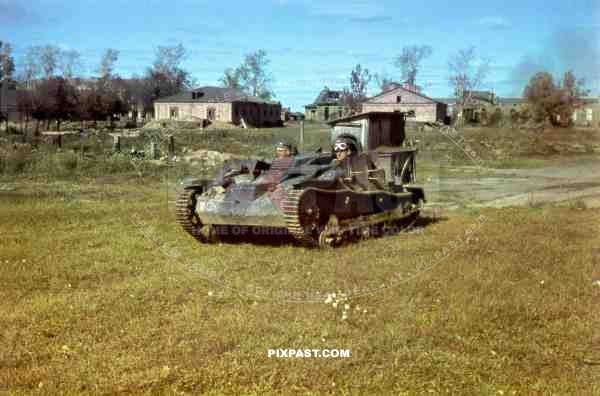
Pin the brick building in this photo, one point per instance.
(219, 104)
(416, 105)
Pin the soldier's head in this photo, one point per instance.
(283, 150)
(343, 148)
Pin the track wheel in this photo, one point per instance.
(186, 212)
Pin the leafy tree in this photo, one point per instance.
(251, 76)
(7, 63)
(552, 102)
(231, 79)
(409, 61)
(166, 76)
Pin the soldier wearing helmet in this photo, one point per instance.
(284, 150)
(343, 149)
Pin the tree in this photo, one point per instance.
(107, 63)
(467, 73)
(359, 81)
(48, 58)
(409, 61)
(251, 76)
(31, 65)
(70, 63)
(7, 63)
(552, 102)
(231, 79)
(166, 77)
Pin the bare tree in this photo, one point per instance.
(70, 63)
(48, 57)
(30, 65)
(107, 62)
(409, 61)
(467, 73)
(359, 81)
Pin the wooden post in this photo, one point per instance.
(116, 144)
(153, 150)
(301, 140)
(171, 147)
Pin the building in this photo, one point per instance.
(9, 101)
(296, 116)
(481, 104)
(327, 106)
(417, 106)
(219, 104)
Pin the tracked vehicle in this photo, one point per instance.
(311, 196)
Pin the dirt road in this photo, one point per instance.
(577, 183)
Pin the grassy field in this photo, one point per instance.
(90, 305)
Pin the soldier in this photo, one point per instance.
(344, 148)
(283, 150)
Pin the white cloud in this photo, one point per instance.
(494, 22)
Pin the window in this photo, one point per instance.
(173, 112)
(588, 114)
(398, 99)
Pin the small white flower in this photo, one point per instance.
(365, 311)
(541, 282)
(347, 306)
(323, 339)
(210, 293)
(596, 283)
(344, 317)
(334, 305)
(333, 295)
(328, 300)
(23, 261)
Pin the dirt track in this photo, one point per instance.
(574, 182)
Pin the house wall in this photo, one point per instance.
(425, 109)
(319, 112)
(162, 111)
(254, 114)
(426, 112)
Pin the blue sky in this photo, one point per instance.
(314, 43)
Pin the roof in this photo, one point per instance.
(405, 90)
(212, 95)
(327, 96)
(371, 114)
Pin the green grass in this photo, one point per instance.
(89, 305)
